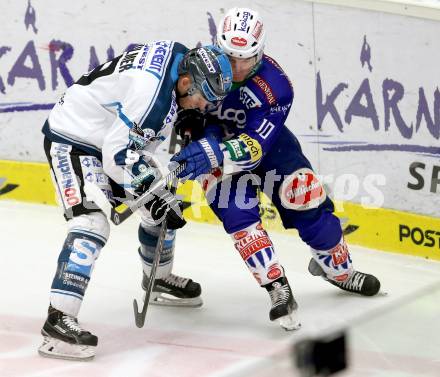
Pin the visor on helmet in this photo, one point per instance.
(210, 72)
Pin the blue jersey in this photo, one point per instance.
(253, 117)
(256, 139)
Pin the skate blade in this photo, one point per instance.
(57, 349)
(163, 299)
(290, 322)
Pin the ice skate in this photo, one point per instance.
(64, 338)
(284, 307)
(357, 282)
(174, 291)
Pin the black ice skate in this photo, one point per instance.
(64, 338)
(174, 291)
(358, 282)
(284, 307)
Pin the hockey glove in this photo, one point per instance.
(192, 121)
(160, 209)
(159, 206)
(201, 157)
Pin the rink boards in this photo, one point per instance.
(366, 105)
(377, 228)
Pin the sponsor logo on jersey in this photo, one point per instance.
(276, 65)
(274, 272)
(128, 59)
(249, 245)
(149, 133)
(159, 53)
(253, 147)
(172, 113)
(302, 190)
(267, 90)
(278, 108)
(248, 98)
(243, 22)
(141, 137)
(257, 30)
(238, 117)
(238, 41)
(143, 57)
(273, 62)
(65, 175)
(203, 54)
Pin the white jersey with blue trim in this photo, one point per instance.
(135, 91)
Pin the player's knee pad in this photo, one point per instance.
(335, 262)
(149, 238)
(322, 232)
(87, 236)
(256, 249)
(94, 224)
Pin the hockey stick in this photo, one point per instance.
(139, 317)
(95, 194)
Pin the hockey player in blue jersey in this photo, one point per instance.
(247, 148)
(105, 130)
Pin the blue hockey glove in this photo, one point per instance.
(201, 157)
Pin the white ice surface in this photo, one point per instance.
(230, 332)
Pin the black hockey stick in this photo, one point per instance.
(139, 317)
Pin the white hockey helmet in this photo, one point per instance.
(241, 34)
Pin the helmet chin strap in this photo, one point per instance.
(191, 91)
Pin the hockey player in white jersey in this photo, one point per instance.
(104, 130)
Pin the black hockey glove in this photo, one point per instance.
(160, 209)
(164, 204)
(192, 121)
